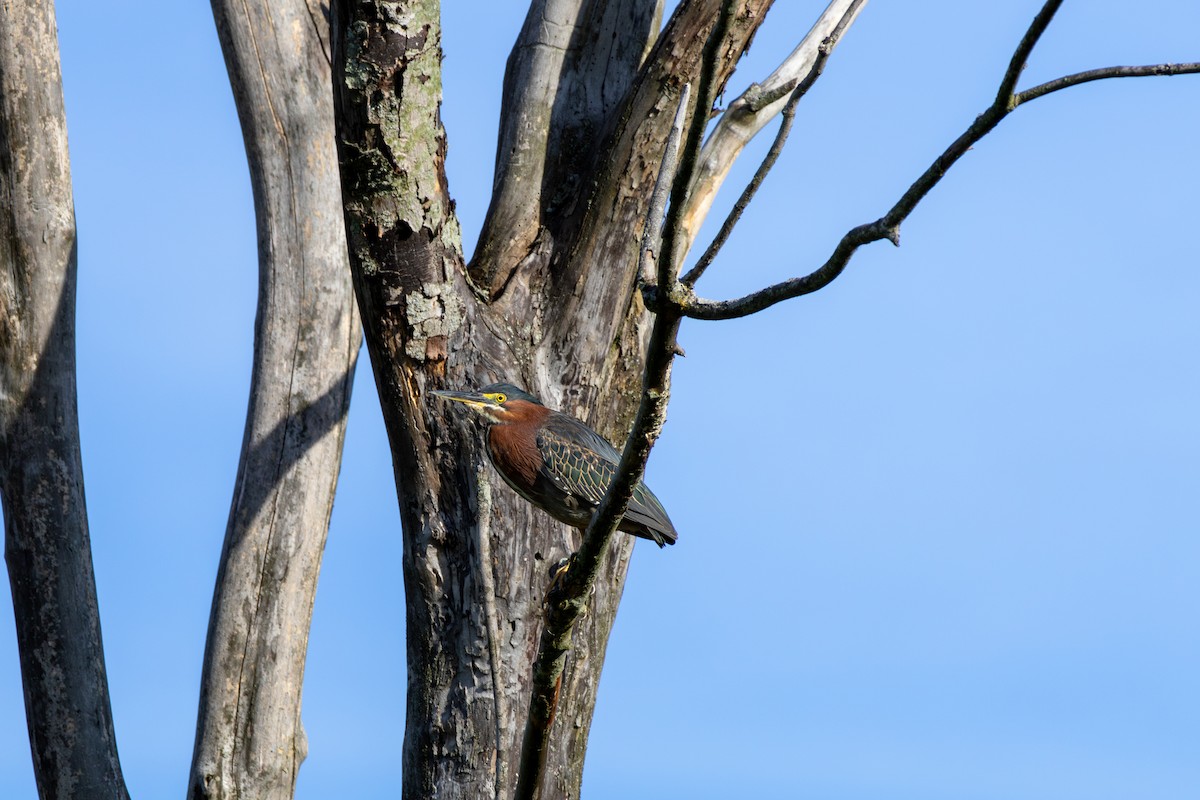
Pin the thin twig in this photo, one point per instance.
(785, 127)
(752, 111)
(691, 150)
(1147, 71)
(777, 146)
(788, 116)
(888, 226)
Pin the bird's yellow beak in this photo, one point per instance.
(477, 400)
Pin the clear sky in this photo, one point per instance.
(939, 529)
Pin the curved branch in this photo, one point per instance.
(888, 226)
(46, 541)
(1067, 81)
(249, 739)
(705, 97)
(567, 599)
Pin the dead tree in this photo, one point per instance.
(556, 298)
(574, 291)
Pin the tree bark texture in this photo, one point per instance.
(564, 76)
(549, 302)
(249, 738)
(47, 545)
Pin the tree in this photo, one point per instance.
(465, 453)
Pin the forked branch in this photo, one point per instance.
(785, 127)
(888, 226)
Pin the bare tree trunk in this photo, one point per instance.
(249, 739)
(549, 303)
(47, 546)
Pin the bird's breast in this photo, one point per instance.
(514, 452)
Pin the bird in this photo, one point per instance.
(558, 463)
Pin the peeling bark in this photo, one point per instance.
(46, 541)
(249, 739)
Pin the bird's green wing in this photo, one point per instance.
(582, 464)
(574, 467)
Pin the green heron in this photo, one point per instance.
(557, 463)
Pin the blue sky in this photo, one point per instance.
(947, 547)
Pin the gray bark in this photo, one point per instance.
(249, 738)
(46, 545)
(572, 64)
(554, 310)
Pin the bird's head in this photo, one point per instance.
(497, 402)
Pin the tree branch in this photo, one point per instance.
(567, 599)
(785, 127)
(1067, 81)
(1020, 56)
(567, 72)
(249, 738)
(672, 249)
(568, 594)
(47, 545)
(753, 111)
(653, 227)
(888, 226)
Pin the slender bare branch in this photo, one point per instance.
(673, 247)
(1067, 81)
(753, 111)
(888, 226)
(568, 595)
(568, 598)
(785, 127)
(1041, 21)
(788, 117)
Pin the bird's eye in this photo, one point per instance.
(500, 397)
